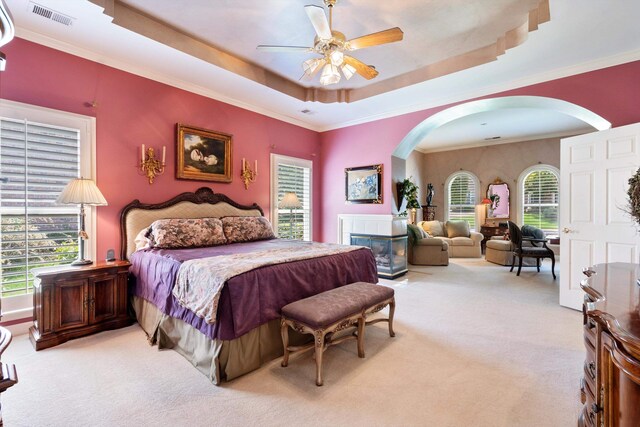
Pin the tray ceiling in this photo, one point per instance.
(441, 37)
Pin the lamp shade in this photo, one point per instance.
(290, 201)
(485, 201)
(81, 190)
(330, 75)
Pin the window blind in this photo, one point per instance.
(540, 200)
(36, 162)
(462, 199)
(294, 223)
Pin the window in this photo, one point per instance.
(40, 151)
(291, 175)
(539, 189)
(461, 196)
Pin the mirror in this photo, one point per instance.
(498, 193)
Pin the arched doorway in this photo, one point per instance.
(422, 130)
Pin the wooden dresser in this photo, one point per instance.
(71, 302)
(610, 387)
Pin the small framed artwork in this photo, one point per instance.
(363, 184)
(203, 155)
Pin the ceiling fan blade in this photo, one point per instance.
(270, 48)
(361, 68)
(319, 21)
(387, 36)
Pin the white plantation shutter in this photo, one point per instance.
(291, 175)
(461, 197)
(540, 200)
(36, 162)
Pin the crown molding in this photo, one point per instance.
(148, 73)
(555, 74)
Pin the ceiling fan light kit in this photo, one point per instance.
(332, 46)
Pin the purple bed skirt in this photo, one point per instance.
(252, 298)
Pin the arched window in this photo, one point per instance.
(461, 197)
(539, 187)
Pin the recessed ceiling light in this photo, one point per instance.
(483, 124)
(306, 111)
(492, 138)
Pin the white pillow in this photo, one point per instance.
(141, 240)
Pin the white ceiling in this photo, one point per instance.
(510, 125)
(582, 35)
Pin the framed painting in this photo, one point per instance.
(203, 155)
(363, 184)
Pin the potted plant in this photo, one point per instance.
(409, 191)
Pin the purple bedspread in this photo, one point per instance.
(252, 298)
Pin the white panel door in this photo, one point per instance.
(594, 172)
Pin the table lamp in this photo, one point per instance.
(290, 201)
(486, 202)
(81, 191)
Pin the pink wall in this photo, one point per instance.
(613, 93)
(132, 111)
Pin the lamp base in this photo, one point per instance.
(80, 262)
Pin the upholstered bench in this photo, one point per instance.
(325, 314)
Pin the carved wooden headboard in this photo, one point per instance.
(204, 203)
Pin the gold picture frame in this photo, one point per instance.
(203, 155)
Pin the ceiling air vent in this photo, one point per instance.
(51, 14)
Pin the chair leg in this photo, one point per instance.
(538, 264)
(553, 266)
(319, 344)
(519, 265)
(392, 310)
(513, 261)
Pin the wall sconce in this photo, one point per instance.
(248, 175)
(149, 165)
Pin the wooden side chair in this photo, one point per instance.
(8, 375)
(533, 251)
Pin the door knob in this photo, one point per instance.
(566, 230)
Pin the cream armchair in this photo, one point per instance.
(426, 251)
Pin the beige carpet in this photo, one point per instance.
(475, 346)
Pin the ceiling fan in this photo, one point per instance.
(332, 46)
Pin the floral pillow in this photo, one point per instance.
(186, 233)
(246, 228)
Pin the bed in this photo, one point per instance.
(245, 333)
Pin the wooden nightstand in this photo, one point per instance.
(71, 302)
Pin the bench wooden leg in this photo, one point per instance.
(360, 336)
(284, 331)
(392, 310)
(319, 344)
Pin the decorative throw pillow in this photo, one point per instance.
(246, 228)
(457, 229)
(423, 234)
(415, 232)
(142, 241)
(186, 233)
(434, 228)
